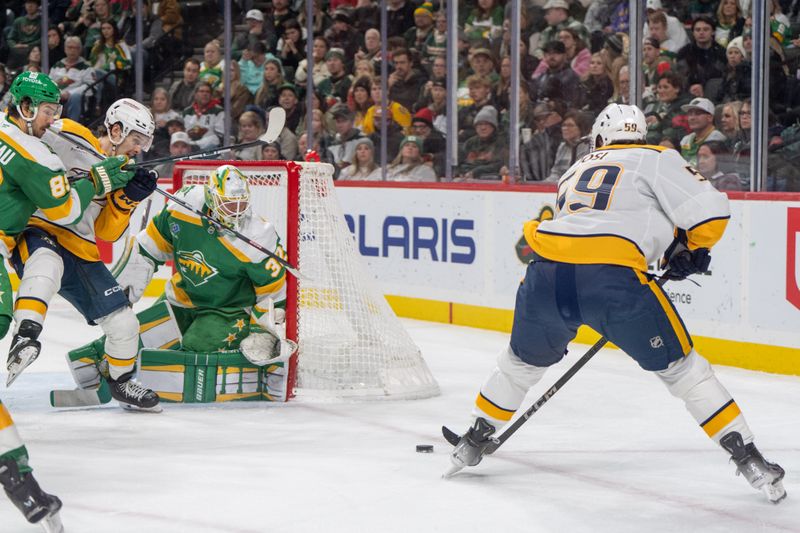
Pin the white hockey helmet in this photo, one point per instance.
(228, 195)
(618, 122)
(133, 116)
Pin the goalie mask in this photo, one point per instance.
(134, 118)
(228, 195)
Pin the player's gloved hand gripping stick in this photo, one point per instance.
(495, 442)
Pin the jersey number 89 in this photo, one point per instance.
(593, 190)
(59, 186)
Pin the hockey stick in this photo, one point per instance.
(453, 438)
(221, 227)
(277, 119)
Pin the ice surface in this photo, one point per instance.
(613, 451)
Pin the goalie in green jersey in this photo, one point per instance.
(215, 333)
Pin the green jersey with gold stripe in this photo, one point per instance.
(31, 177)
(215, 269)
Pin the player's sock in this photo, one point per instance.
(131, 393)
(505, 388)
(23, 490)
(760, 473)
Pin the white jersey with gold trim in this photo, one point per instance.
(621, 204)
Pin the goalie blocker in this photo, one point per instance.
(256, 372)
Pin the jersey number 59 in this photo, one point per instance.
(594, 188)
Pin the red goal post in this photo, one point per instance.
(351, 345)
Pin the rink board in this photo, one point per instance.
(455, 254)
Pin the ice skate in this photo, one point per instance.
(133, 396)
(37, 506)
(472, 446)
(24, 349)
(761, 474)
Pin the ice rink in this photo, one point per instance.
(612, 452)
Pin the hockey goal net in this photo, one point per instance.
(351, 344)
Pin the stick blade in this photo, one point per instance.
(81, 397)
(275, 123)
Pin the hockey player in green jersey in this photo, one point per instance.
(32, 177)
(63, 258)
(222, 294)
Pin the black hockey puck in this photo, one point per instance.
(424, 448)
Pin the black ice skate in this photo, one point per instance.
(24, 349)
(472, 446)
(132, 395)
(37, 506)
(761, 474)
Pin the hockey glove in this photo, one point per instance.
(111, 174)
(142, 184)
(684, 262)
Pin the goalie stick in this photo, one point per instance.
(453, 438)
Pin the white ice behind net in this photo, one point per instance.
(351, 343)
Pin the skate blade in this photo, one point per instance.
(453, 470)
(52, 523)
(23, 360)
(774, 491)
(136, 409)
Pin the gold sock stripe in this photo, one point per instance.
(724, 416)
(495, 411)
(26, 303)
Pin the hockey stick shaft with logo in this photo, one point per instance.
(512, 428)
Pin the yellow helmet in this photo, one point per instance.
(228, 195)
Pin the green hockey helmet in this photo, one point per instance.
(227, 195)
(36, 87)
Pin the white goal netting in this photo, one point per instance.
(351, 344)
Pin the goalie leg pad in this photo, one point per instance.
(40, 280)
(505, 388)
(693, 380)
(196, 377)
(122, 341)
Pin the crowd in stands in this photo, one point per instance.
(574, 61)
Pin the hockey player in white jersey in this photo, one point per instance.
(618, 210)
(56, 258)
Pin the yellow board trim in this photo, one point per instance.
(492, 410)
(742, 354)
(723, 418)
(5, 418)
(239, 396)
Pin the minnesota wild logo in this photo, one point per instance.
(523, 249)
(194, 267)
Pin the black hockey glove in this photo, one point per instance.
(682, 262)
(142, 184)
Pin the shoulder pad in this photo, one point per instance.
(258, 230)
(192, 195)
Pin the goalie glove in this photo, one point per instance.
(133, 271)
(263, 349)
